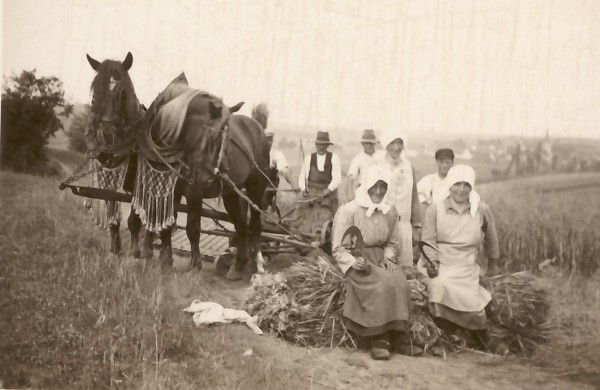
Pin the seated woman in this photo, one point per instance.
(377, 301)
(457, 225)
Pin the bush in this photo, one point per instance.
(29, 119)
(77, 129)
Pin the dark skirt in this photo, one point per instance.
(376, 303)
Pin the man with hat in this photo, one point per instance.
(367, 157)
(320, 176)
(432, 187)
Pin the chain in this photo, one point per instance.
(216, 221)
(76, 175)
(256, 208)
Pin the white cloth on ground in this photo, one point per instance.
(206, 313)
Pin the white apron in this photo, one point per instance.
(401, 198)
(457, 285)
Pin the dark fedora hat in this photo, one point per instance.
(323, 138)
(369, 136)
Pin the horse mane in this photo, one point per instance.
(100, 83)
(260, 113)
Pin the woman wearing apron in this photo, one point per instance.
(457, 225)
(377, 300)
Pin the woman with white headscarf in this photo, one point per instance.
(457, 225)
(377, 301)
(403, 194)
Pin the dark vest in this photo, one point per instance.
(319, 179)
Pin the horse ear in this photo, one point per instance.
(236, 108)
(128, 61)
(95, 64)
(215, 112)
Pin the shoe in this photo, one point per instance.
(409, 350)
(438, 351)
(380, 350)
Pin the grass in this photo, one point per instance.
(74, 316)
(534, 223)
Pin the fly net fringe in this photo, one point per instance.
(154, 195)
(303, 304)
(106, 212)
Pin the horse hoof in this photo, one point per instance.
(233, 275)
(196, 264)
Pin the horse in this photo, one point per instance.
(221, 151)
(111, 135)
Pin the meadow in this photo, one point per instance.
(74, 316)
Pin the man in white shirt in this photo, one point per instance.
(367, 157)
(278, 160)
(320, 176)
(431, 187)
(321, 170)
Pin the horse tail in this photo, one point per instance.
(260, 113)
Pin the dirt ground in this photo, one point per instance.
(350, 369)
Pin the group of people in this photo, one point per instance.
(393, 212)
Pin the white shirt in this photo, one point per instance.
(361, 161)
(336, 171)
(431, 188)
(277, 160)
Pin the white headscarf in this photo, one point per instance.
(465, 173)
(372, 175)
(387, 137)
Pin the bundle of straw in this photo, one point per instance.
(304, 303)
(519, 311)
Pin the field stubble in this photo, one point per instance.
(74, 316)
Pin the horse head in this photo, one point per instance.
(114, 104)
(206, 138)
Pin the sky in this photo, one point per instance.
(427, 68)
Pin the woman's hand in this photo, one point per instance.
(361, 265)
(390, 265)
(433, 268)
(493, 268)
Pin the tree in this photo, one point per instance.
(77, 129)
(30, 110)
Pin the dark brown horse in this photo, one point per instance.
(242, 157)
(111, 134)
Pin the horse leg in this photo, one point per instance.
(166, 251)
(256, 193)
(239, 218)
(114, 226)
(134, 223)
(193, 197)
(147, 250)
(193, 233)
(115, 238)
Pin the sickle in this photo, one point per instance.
(421, 244)
(358, 248)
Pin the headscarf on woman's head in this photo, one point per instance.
(460, 173)
(372, 175)
(387, 137)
